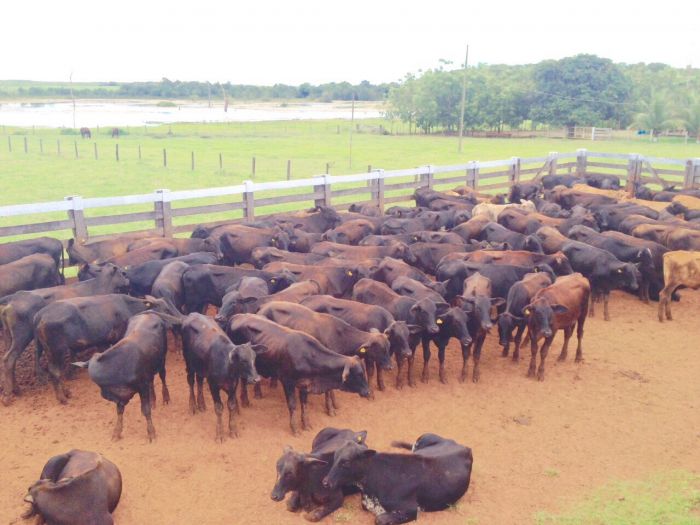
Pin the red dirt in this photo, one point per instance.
(630, 409)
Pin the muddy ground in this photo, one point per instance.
(631, 408)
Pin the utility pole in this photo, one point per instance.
(352, 125)
(464, 96)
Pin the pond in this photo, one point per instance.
(147, 113)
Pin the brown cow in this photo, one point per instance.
(551, 239)
(85, 133)
(562, 305)
(350, 232)
(154, 251)
(76, 487)
(681, 268)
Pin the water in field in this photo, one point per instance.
(98, 113)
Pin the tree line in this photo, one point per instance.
(583, 90)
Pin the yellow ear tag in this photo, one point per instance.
(527, 311)
(273, 280)
(439, 321)
(359, 439)
(619, 270)
(363, 350)
(349, 273)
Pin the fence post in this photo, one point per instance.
(9, 143)
(221, 162)
(692, 173)
(289, 170)
(253, 168)
(165, 158)
(193, 161)
(581, 162)
(426, 179)
(328, 168)
(77, 217)
(75, 143)
(552, 163)
(248, 201)
(634, 165)
(473, 174)
(58, 146)
(41, 146)
(515, 171)
(95, 145)
(139, 151)
(26, 148)
(325, 189)
(378, 196)
(163, 213)
(116, 151)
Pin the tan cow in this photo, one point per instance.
(681, 268)
(690, 202)
(494, 210)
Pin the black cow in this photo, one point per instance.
(241, 298)
(237, 242)
(602, 181)
(13, 251)
(130, 366)
(395, 486)
(300, 363)
(76, 487)
(17, 314)
(453, 323)
(524, 191)
(494, 232)
(604, 271)
(519, 296)
(206, 284)
(390, 269)
(302, 474)
(70, 325)
(549, 181)
(168, 284)
(28, 273)
(335, 280)
(210, 354)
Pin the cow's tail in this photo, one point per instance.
(402, 444)
(63, 266)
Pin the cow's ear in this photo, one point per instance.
(287, 449)
(413, 309)
(497, 301)
(559, 309)
(248, 300)
(414, 329)
(441, 308)
(115, 269)
(527, 311)
(258, 348)
(361, 436)
(368, 454)
(310, 460)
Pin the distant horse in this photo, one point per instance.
(115, 133)
(85, 133)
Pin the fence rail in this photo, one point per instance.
(325, 189)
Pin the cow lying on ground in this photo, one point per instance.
(76, 487)
(681, 268)
(395, 486)
(129, 367)
(210, 354)
(562, 305)
(302, 474)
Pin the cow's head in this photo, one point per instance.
(292, 471)
(425, 313)
(376, 346)
(398, 333)
(403, 251)
(480, 306)
(350, 463)
(625, 275)
(280, 239)
(540, 316)
(278, 281)
(532, 244)
(243, 360)
(506, 323)
(455, 320)
(354, 378)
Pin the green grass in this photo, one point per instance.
(310, 145)
(669, 498)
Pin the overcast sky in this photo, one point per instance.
(266, 42)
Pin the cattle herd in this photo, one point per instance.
(320, 301)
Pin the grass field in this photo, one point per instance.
(309, 145)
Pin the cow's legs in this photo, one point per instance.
(606, 299)
(425, 375)
(441, 358)
(16, 340)
(399, 371)
(533, 356)
(145, 395)
(304, 400)
(476, 372)
(665, 302)
(152, 390)
(190, 384)
(232, 406)
(516, 341)
(290, 396)
(396, 516)
(164, 390)
(380, 375)
(568, 331)
(330, 409)
(591, 310)
(336, 405)
(245, 401)
(201, 405)
(543, 355)
(219, 409)
(55, 374)
(466, 352)
(119, 425)
(294, 501)
(579, 337)
(257, 388)
(334, 502)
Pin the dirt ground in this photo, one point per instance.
(631, 408)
